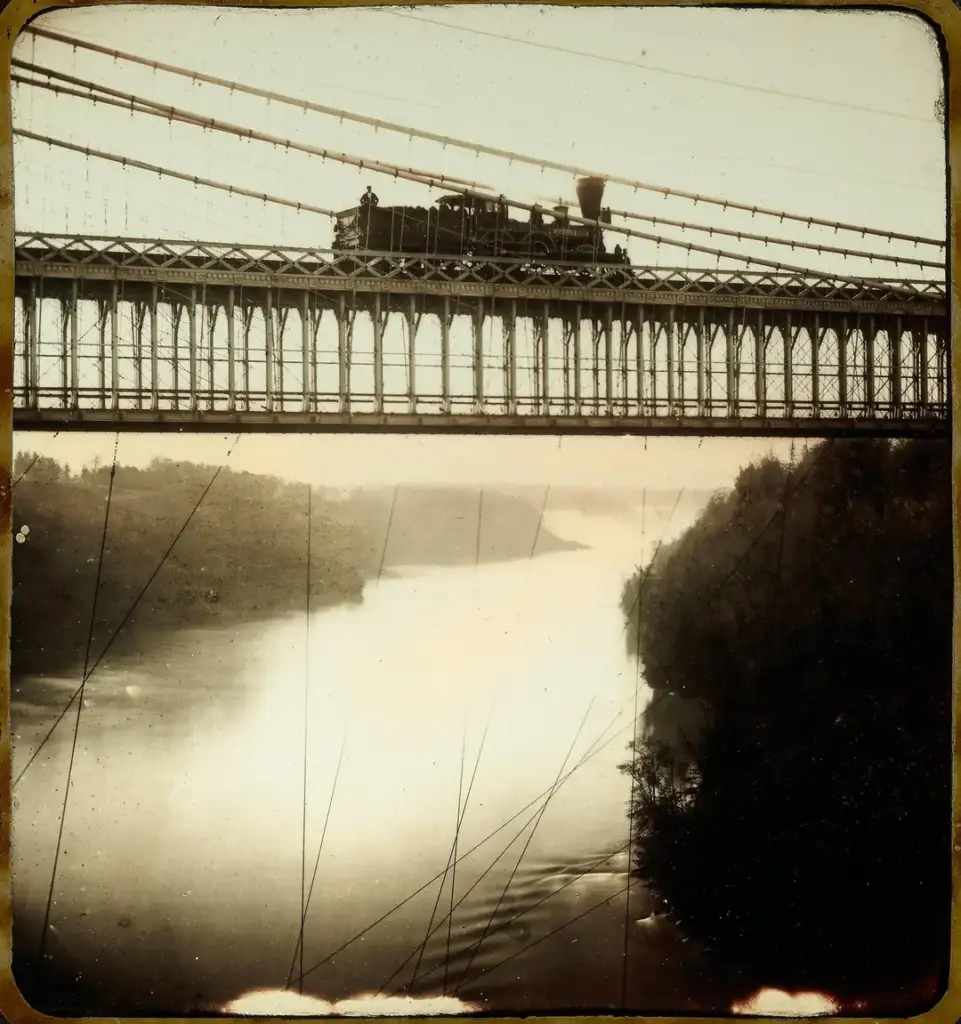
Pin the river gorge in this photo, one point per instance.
(499, 693)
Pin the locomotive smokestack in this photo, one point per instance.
(590, 192)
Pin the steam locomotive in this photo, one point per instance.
(463, 226)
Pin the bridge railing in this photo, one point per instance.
(95, 255)
(117, 330)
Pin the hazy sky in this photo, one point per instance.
(829, 114)
(345, 460)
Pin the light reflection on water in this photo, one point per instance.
(182, 859)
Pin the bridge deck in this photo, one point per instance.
(220, 267)
(135, 334)
(216, 421)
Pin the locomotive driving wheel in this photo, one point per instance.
(539, 246)
(484, 243)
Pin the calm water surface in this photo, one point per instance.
(180, 879)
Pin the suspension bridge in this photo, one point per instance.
(124, 333)
(132, 333)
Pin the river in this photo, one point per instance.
(471, 693)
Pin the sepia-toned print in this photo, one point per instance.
(482, 516)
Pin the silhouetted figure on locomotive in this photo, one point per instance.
(467, 225)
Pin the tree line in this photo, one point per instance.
(241, 554)
(792, 781)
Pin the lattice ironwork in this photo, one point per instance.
(97, 258)
(96, 347)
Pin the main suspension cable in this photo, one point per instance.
(96, 87)
(790, 243)
(175, 114)
(223, 186)
(513, 157)
(168, 172)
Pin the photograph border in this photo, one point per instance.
(943, 16)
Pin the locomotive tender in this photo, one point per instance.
(463, 226)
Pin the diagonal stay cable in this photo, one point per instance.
(552, 933)
(716, 590)
(460, 819)
(630, 816)
(33, 462)
(656, 700)
(461, 800)
(591, 752)
(126, 618)
(653, 559)
(789, 492)
(599, 745)
(80, 691)
(452, 856)
(759, 536)
(530, 839)
(713, 81)
(576, 877)
(313, 877)
(653, 703)
(141, 104)
(390, 523)
(490, 867)
(440, 924)
(540, 524)
(503, 853)
(461, 813)
(303, 832)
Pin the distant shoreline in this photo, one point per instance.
(241, 558)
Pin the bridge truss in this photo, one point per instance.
(141, 334)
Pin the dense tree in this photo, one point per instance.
(41, 468)
(808, 616)
(240, 557)
(241, 554)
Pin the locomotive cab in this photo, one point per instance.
(472, 206)
(453, 204)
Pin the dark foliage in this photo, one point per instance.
(809, 611)
(241, 557)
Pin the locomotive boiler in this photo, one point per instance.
(463, 226)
